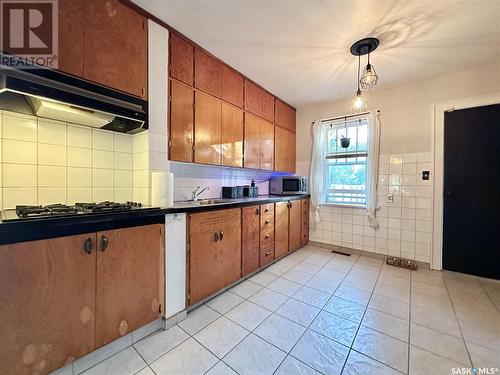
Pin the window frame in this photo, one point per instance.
(326, 165)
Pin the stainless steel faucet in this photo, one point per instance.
(197, 193)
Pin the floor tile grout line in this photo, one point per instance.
(409, 323)
(459, 323)
(488, 294)
(320, 310)
(146, 362)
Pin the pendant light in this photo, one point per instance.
(364, 47)
(358, 102)
(369, 77)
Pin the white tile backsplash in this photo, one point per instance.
(405, 224)
(44, 161)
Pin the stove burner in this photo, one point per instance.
(49, 210)
(107, 206)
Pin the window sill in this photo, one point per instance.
(347, 205)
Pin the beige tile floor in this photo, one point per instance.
(319, 313)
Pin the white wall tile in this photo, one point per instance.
(123, 161)
(102, 178)
(19, 175)
(19, 152)
(102, 159)
(122, 142)
(102, 140)
(50, 176)
(79, 136)
(53, 132)
(79, 194)
(51, 154)
(79, 177)
(19, 127)
(15, 196)
(79, 157)
(100, 194)
(51, 195)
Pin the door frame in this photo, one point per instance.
(438, 152)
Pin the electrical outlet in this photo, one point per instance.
(425, 175)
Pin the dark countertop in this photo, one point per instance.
(51, 227)
(42, 228)
(223, 203)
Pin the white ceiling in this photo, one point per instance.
(299, 50)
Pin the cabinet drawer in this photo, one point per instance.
(267, 220)
(266, 254)
(266, 237)
(267, 208)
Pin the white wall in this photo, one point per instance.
(406, 150)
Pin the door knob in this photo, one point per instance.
(216, 236)
(87, 246)
(104, 243)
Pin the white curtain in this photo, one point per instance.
(316, 182)
(372, 168)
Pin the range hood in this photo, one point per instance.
(54, 95)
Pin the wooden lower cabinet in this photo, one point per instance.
(267, 241)
(47, 304)
(281, 229)
(250, 239)
(129, 291)
(304, 218)
(214, 252)
(294, 229)
(64, 297)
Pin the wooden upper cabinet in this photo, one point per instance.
(215, 252)
(116, 42)
(281, 229)
(232, 86)
(282, 149)
(232, 136)
(250, 240)
(292, 150)
(207, 129)
(284, 115)
(258, 101)
(295, 225)
(267, 145)
(252, 142)
(71, 18)
(181, 59)
(129, 261)
(207, 73)
(47, 314)
(181, 122)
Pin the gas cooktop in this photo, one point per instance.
(26, 212)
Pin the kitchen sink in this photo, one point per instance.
(205, 202)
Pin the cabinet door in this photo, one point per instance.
(128, 280)
(258, 101)
(252, 142)
(181, 59)
(284, 115)
(181, 122)
(71, 36)
(232, 136)
(47, 313)
(116, 42)
(207, 73)
(207, 129)
(232, 86)
(267, 145)
(281, 229)
(230, 245)
(250, 240)
(213, 263)
(281, 149)
(295, 225)
(292, 152)
(304, 217)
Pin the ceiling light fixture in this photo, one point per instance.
(369, 78)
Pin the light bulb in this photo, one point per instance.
(369, 78)
(358, 102)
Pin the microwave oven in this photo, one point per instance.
(284, 185)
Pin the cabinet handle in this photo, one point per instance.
(257, 211)
(267, 236)
(216, 236)
(266, 210)
(104, 243)
(221, 235)
(87, 246)
(268, 221)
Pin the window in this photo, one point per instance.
(345, 168)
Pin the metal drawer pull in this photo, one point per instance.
(87, 246)
(104, 243)
(268, 221)
(221, 235)
(216, 236)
